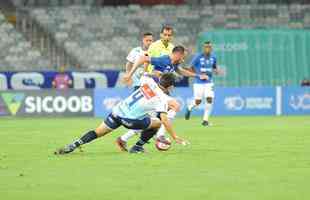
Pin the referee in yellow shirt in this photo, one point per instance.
(163, 46)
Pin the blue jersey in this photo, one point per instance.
(203, 64)
(163, 64)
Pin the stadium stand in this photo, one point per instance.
(81, 33)
(16, 52)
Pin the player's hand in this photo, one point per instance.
(127, 79)
(181, 141)
(204, 77)
(220, 71)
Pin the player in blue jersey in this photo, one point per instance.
(203, 63)
(133, 113)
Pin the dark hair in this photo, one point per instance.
(167, 79)
(207, 42)
(178, 48)
(147, 34)
(166, 27)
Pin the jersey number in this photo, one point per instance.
(136, 96)
(144, 91)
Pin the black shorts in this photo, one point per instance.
(113, 122)
(135, 88)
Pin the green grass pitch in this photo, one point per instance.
(239, 158)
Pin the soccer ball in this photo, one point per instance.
(163, 144)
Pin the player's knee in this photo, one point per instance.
(209, 99)
(102, 130)
(174, 105)
(197, 102)
(155, 124)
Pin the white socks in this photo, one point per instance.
(129, 134)
(191, 105)
(161, 132)
(207, 112)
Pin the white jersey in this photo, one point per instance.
(132, 57)
(148, 98)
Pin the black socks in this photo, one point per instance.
(86, 138)
(146, 135)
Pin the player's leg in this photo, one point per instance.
(104, 128)
(121, 141)
(209, 95)
(198, 95)
(174, 107)
(146, 135)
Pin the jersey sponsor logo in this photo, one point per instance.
(13, 101)
(147, 91)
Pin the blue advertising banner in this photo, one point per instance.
(295, 101)
(234, 101)
(106, 99)
(81, 80)
(228, 101)
(245, 101)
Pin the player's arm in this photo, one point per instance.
(128, 66)
(168, 126)
(141, 60)
(190, 73)
(217, 70)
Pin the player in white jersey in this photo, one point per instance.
(134, 54)
(132, 113)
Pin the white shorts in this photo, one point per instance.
(203, 90)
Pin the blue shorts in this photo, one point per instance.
(113, 122)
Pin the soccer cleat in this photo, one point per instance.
(121, 144)
(187, 114)
(137, 149)
(65, 150)
(205, 123)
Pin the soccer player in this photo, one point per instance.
(133, 55)
(132, 113)
(203, 63)
(161, 47)
(165, 64)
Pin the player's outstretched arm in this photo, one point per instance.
(165, 121)
(189, 73)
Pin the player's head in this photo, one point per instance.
(207, 47)
(147, 39)
(178, 54)
(166, 34)
(167, 82)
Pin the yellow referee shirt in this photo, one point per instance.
(158, 49)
